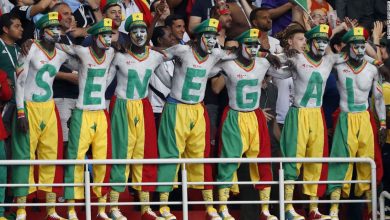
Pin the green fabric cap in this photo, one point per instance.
(50, 19)
(249, 36)
(102, 26)
(209, 25)
(319, 31)
(135, 20)
(355, 34)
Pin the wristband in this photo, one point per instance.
(21, 113)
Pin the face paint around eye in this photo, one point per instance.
(250, 51)
(208, 42)
(52, 34)
(318, 46)
(357, 51)
(103, 41)
(138, 36)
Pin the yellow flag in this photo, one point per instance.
(138, 17)
(53, 16)
(358, 31)
(107, 22)
(254, 32)
(324, 28)
(213, 22)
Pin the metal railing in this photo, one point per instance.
(384, 195)
(184, 183)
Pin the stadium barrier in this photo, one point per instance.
(184, 183)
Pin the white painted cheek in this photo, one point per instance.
(245, 52)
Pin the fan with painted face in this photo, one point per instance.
(318, 39)
(49, 25)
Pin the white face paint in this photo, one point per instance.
(103, 41)
(208, 42)
(357, 51)
(318, 46)
(52, 34)
(250, 51)
(138, 36)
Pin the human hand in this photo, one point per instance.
(267, 115)
(377, 32)
(22, 124)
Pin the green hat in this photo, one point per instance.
(50, 19)
(249, 36)
(102, 26)
(355, 34)
(105, 4)
(209, 25)
(319, 31)
(135, 20)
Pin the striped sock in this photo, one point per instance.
(223, 194)
(114, 197)
(164, 197)
(207, 197)
(265, 196)
(50, 198)
(288, 196)
(144, 197)
(335, 195)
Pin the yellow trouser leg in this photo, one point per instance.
(368, 196)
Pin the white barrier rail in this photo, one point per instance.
(184, 183)
(382, 197)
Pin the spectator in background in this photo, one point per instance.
(26, 10)
(65, 85)
(180, 7)
(163, 38)
(10, 31)
(201, 11)
(261, 19)
(86, 12)
(280, 11)
(320, 4)
(74, 34)
(133, 6)
(177, 25)
(365, 11)
(165, 14)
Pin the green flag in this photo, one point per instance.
(303, 4)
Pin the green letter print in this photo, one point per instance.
(315, 84)
(134, 82)
(351, 97)
(43, 84)
(90, 87)
(253, 96)
(190, 85)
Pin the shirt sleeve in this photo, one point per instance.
(268, 4)
(24, 12)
